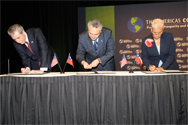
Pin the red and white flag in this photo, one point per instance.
(70, 61)
(138, 59)
(123, 61)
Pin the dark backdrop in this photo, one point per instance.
(58, 21)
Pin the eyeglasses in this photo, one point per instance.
(157, 33)
(95, 35)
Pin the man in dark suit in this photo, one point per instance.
(158, 49)
(96, 48)
(32, 47)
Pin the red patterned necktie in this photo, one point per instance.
(30, 48)
(32, 51)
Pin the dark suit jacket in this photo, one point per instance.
(42, 51)
(106, 50)
(167, 55)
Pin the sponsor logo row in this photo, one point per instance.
(178, 50)
(183, 66)
(129, 51)
(179, 44)
(179, 55)
(144, 67)
(182, 61)
(133, 67)
(129, 41)
(121, 41)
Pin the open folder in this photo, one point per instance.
(165, 71)
(98, 72)
(174, 71)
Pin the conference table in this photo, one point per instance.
(114, 97)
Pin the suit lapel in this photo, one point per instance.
(162, 43)
(26, 49)
(31, 42)
(155, 47)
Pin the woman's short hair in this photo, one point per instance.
(157, 23)
(13, 28)
(95, 23)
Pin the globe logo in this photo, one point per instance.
(128, 56)
(178, 44)
(138, 40)
(137, 51)
(128, 46)
(135, 24)
(128, 68)
(179, 55)
(120, 41)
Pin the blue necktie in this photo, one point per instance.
(96, 45)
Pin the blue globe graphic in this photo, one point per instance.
(135, 24)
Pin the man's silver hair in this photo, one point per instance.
(95, 23)
(15, 27)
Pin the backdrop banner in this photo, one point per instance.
(133, 22)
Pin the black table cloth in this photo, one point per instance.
(94, 99)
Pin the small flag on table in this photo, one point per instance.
(70, 61)
(123, 61)
(138, 59)
(54, 61)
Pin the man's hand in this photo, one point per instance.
(152, 68)
(159, 69)
(36, 71)
(25, 70)
(86, 65)
(95, 63)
